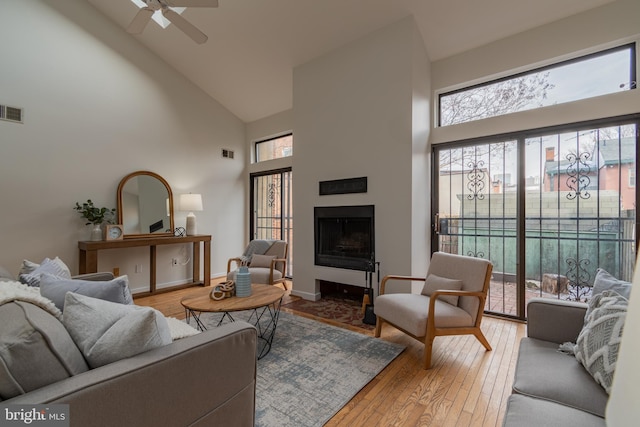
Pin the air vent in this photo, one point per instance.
(11, 114)
(227, 154)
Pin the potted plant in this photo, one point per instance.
(95, 216)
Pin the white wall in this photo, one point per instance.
(611, 25)
(352, 112)
(97, 106)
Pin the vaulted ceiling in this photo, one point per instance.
(247, 63)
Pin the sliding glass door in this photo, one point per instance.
(548, 208)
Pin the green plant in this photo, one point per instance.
(95, 215)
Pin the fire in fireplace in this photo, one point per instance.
(344, 237)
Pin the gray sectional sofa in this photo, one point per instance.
(552, 388)
(207, 379)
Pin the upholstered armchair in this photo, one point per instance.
(451, 302)
(266, 259)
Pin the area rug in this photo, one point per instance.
(344, 309)
(313, 370)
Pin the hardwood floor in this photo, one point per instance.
(466, 386)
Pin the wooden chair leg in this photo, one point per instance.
(378, 326)
(428, 347)
(483, 340)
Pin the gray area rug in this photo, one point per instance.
(313, 370)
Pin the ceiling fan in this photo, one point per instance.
(143, 16)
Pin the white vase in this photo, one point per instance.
(96, 232)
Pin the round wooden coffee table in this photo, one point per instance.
(263, 305)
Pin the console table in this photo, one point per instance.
(89, 255)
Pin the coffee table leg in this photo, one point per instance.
(196, 317)
(267, 331)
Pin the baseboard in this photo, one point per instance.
(306, 295)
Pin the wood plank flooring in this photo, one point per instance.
(466, 386)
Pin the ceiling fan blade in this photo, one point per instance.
(140, 21)
(192, 3)
(186, 27)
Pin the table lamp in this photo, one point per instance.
(191, 203)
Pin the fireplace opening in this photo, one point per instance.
(344, 237)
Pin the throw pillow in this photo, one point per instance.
(261, 261)
(599, 341)
(605, 281)
(55, 288)
(52, 266)
(35, 349)
(27, 266)
(105, 331)
(434, 283)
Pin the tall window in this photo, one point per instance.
(274, 148)
(601, 73)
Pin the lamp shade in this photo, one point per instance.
(191, 202)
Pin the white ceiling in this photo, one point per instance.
(247, 63)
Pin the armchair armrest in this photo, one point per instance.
(273, 267)
(555, 320)
(237, 260)
(385, 279)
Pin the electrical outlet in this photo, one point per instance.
(138, 268)
(116, 271)
(174, 261)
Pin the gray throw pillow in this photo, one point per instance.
(434, 283)
(261, 261)
(106, 332)
(599, 341)
(35, 350)
(28, 266)
(55, 288)
(51, 266)
(606, 282)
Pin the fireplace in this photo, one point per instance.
(344, 237)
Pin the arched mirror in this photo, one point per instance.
(145, 205)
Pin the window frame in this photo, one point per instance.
(631, 46)
(273, 138)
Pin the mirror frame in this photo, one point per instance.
(166, 184)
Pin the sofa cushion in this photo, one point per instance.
(434, 283)
(599, 341)
(51, 266)
(35, 349)
(105, 331)
(545, 373)
(55, 288)
(524, 411)
(606, 282)
(410, 312)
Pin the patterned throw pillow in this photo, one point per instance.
(54, 266)
(599, 341)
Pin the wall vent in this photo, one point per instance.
(227, 154)
(11, 114)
